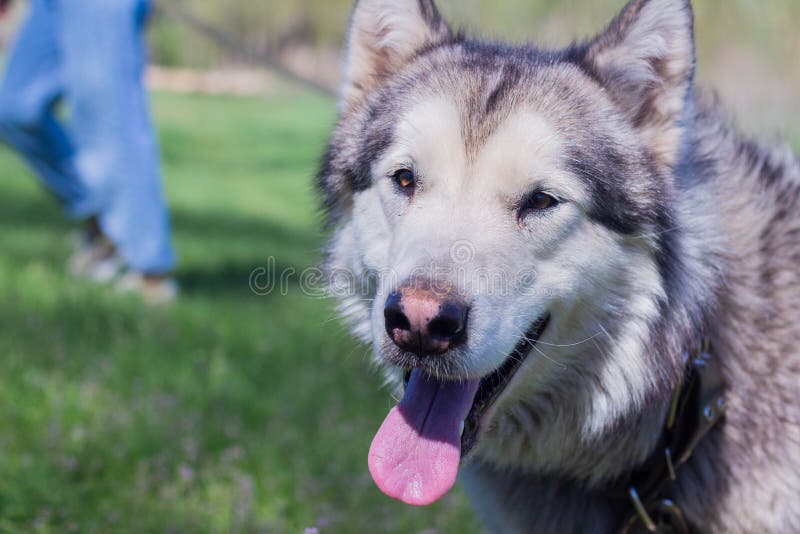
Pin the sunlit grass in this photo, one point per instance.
(225, 412)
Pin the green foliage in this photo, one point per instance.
(226, 412)
(259, 25)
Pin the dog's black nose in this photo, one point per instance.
(425, 321)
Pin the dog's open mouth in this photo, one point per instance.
(492, 385)
(416, 453)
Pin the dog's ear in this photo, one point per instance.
(383, 36)
(646, 60)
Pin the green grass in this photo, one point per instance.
(226, 412)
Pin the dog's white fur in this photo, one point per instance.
(588, 405)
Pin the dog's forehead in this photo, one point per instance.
(487, 90)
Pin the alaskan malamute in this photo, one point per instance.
(584, 283)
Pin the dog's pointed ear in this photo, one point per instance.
(646, 60)
(383, 36)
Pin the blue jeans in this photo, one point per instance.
(103, 160)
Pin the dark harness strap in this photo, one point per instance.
(697, 406)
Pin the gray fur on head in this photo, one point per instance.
(673, 226)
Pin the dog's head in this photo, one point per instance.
(487, 198)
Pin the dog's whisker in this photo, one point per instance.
(565, 345)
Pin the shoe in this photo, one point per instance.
(95, 259)
(153, 289)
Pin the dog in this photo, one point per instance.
(581, 279)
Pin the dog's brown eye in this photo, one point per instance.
(537, 202)
(541, 201)
(405, 180)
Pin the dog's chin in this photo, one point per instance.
(491, 385)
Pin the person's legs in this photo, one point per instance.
(30, 89)
(103, 57)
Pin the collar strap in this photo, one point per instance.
(697, 406)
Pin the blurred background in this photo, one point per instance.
(230, 411)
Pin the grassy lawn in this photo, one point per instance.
(227, 412)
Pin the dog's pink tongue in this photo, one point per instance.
(415, 455)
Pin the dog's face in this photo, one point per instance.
(487, 198)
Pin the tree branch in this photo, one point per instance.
(228, 42)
